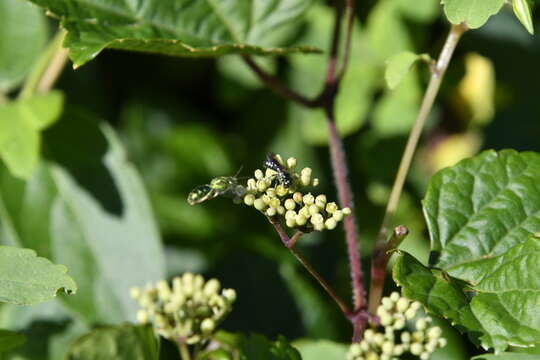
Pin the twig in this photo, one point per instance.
(289, 244)
(276, 85)
(47, 68)
(184, 351)
(437, 75)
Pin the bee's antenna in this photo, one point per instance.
(239, 170)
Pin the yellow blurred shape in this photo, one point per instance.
(455, 148)
(477, 88)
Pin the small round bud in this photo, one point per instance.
(399, 324)
(421, 324)
(211, 287)
(315, 182)
(308, 199)
(330, 224)
(305, 212)
(271, 192)
(252, 184)
(258, 174)
(386, 319)
(274, 202)
(271, 211)
(297, 197)
(410, 313)
(291, 162)
(301, 220)
(346, 211)
(405, 337)
(364, 345)
(394, 296)
(207, 326)
(198, 282)
(281, 190)
(249, 199)
(387, 347)
(402, 304)
(369, 334)
(142, 316)
(135, 292)
(331, 207)
(320, 201)
(290, 204)
(378, 339)
(290, 214)
(164, 291)
(387, 303)
(381, 311)
(355, 350)
(261, 185)
(372, 356)
(398, 350)
(280, 210)
(259, 204)
(313, 209)
(291, 223)
(269, 173)
(425, 355)
(418, 336)
(317, 219)
(338, 215)
(434, 332)
(416, 348)
(318, 227)
(442, 342)
(306, 171)
(229, 294)
(416, 305)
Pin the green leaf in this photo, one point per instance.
(474, 13)
(20, 125)
(23, 33)
(321, 349)
(26, 279)
(198, 28)
(10, 340)
(259, 347)
(506, 356)
(125, 342)
(423, 11)
(481, 215)
(522, 9)
(398, 66)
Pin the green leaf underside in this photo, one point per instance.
(20, 125)
(474, 13)
(522, 10)
(10, 340)
(125, 342)
(179, 28)
(507, 356)
(26, 279)
(398, 67)
(481, 215)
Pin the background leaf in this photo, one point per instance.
(23, 33)
(26, 279)
(321, 349)
(398, 66)
(10, 340)
(20, 125)
(473, 12)
(127, 342)
(522, 9)
(506, 356)
(258, 347)
(201, 28)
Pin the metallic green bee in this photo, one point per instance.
(222, 185)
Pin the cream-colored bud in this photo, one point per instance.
(331, 207)
(317, 219)
(385, 357)
(318, 227)
(364, 345)
(434, 332)
(259, 204)
(355, 349)
(262, 185)
(372, 356)
(378, 339)
(298, 197)
(211, 287)
(394, 296)
(425, 355)
(301, 220)
(291, 162)
(315, 182)
(330, 224)
(399, 324)
(416, 305)
(418, 336)
(402, 304)
(381, 311)
(269, 173)
(164, 291)
(410, 313)
(230, 295)
(308, 199)
(249, 199)
(266, 199)
(320, 201)
(305, 180)
(304, 212)
(142, 316)
(198, 282)
(135, 292)
(386, 319)
(398, 350)
(442, 342)
(416, 348)
(271, 211)
(369, 334)
(281, 190)
(290, 214)
(252, 184)
(421, 324)
(274, 202)
(337, 215)
(306, 171)
(405, 337)
(291, 223)
(387, 347)
(207, 326)
(187, 279)
(346, 211)
(177, 284)
(430, 346)
(271, 192)
(387, 303)
(258, 174)
(280, 210)
(290, 204)
(313, 209)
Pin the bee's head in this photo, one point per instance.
(220, 183)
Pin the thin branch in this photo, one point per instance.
(276, 85)
(183, 350)
(350, 6)
(47, 68)
(289, 244)
(437, 75)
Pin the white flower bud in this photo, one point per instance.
(280, 210)
(301, 220)
(355, 350)
(259, 204)
(313, 209)
(274, 202)
(320, 201)
(338, 215)
(346, 211)
(372, 356)
(249, 199)
(262, 185)
(252, 184)
(364, 345)
(381, 311)
(291, 223)
(281, 190)
(402, 304)
(271, 211)
(425, 355)
(331, 207)
(308, 199)
(378, 339)
(211, 287)
(418, 336)
(290, 214)
(416, 348)
(399, 324)
(305, 212)
(298, 197)
(398, 350)
(135, 292)
(434, 332)
(394, 296)
(269, 173)
(387, 347)
(405, 337)
(416, 305)
(258, 174)
(164, 291)
(290, 204)
(387, 303)
(291, 162)
(410, 313)
(305, 171)
(368, 334)
(317, 219)
(386, 319)
(442, 342)
(207, 326)
(142, 317)
(318, 227)
(229, 294)
(330, 224)
(315, 182)
(421, 324)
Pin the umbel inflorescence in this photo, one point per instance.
(402, 330)
(279, 192)
(189, 311)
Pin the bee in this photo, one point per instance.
(283, 176)
(221, 185)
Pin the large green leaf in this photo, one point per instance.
(481, 215)
(23, 33)
(26, 279)
(125, 342)
(179, 27)
(507, 356)
(258, 347)
(20, 125)
(10, 340)
(474, 13)
(321, 349)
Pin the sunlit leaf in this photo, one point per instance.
(522, 9)
(398, 66)
(507, 356)
(26, 279)
(474, 13)
(178, 28)
(10, 340)
(321, 349)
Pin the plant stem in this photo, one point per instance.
(276, 85)
(289, 244)
(47, 68)
(184, 351)
(437, 75)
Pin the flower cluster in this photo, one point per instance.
(189, 311)
(397, 314)
(268, 193)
